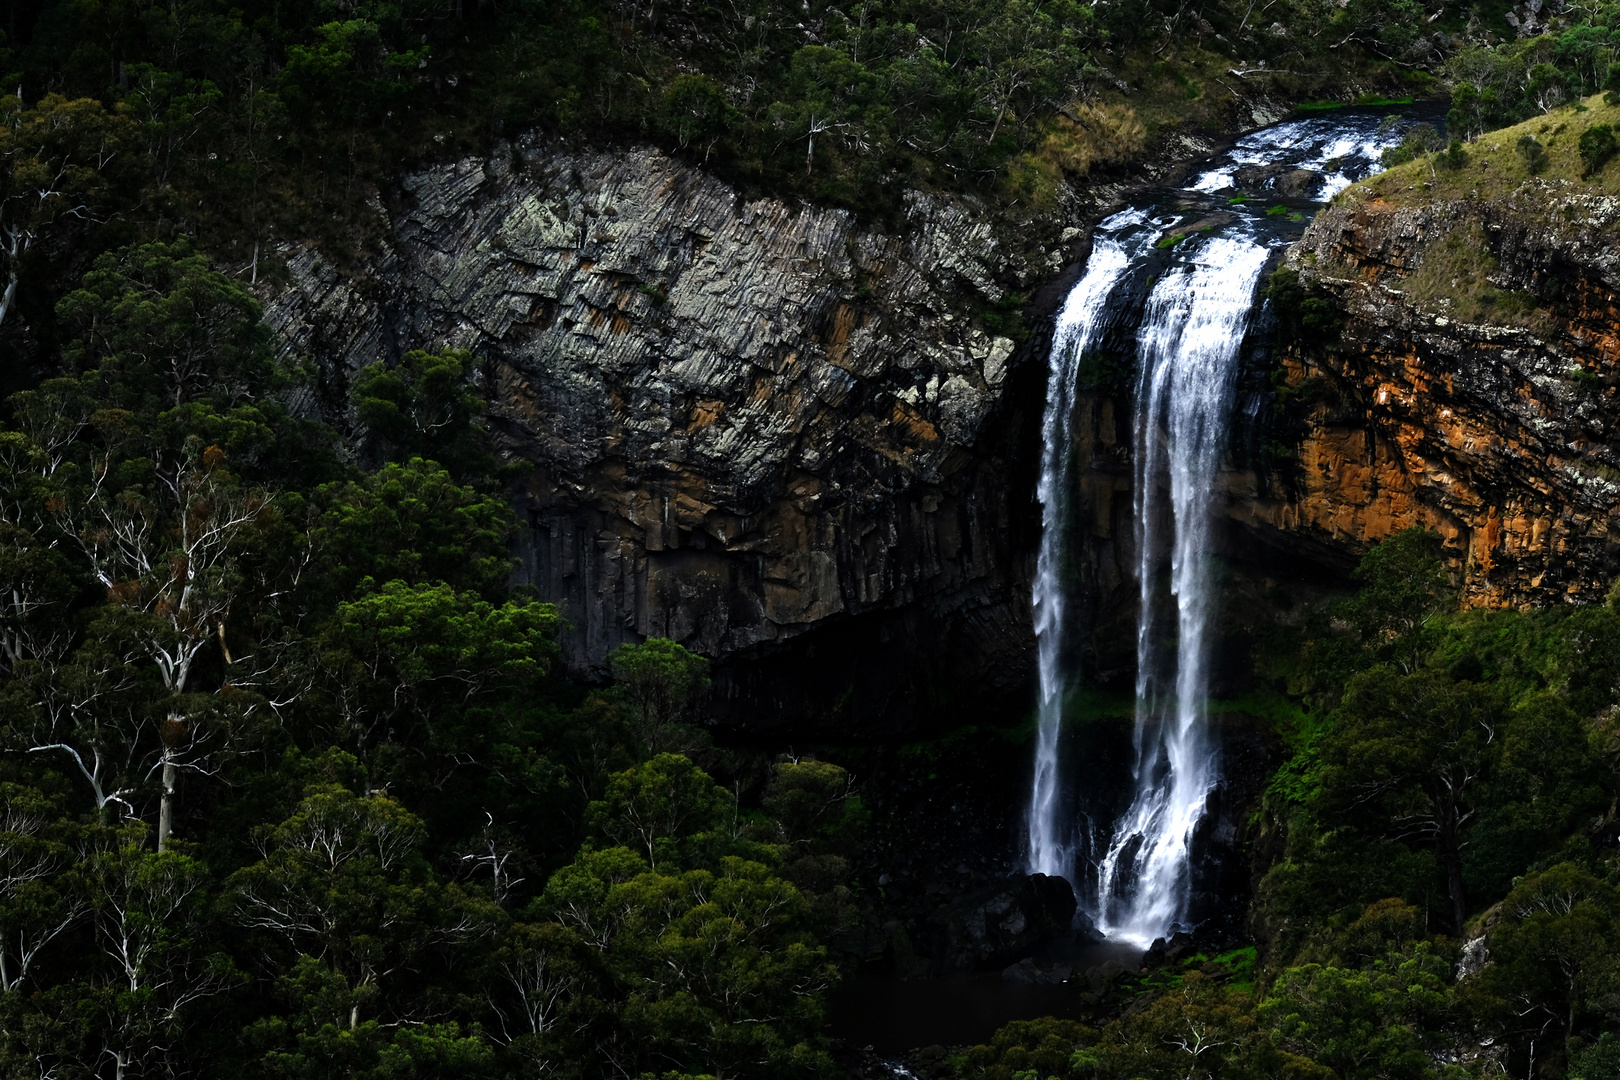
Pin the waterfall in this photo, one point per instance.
(1136, 877)
(1050, 848)
(1189, 342)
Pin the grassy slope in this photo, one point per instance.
(1452, 277)
(1495, 169)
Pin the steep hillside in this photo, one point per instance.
(1472, 384)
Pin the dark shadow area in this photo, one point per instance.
(875, 1008)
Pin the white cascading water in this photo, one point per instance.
(1189, 339)
(1050, 846)
(1191, 333)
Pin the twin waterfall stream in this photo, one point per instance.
(1179, 313)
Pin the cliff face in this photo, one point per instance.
(1472, 390)
(745, 420)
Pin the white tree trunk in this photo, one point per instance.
(166, 804)
(5, 298)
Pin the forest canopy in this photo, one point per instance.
(293, 783)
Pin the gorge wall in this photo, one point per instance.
(1473, 389)
(771, 432)
(783, 437)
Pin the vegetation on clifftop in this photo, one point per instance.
(244, 126)
(1564, 150)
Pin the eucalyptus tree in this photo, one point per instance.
(55, 159)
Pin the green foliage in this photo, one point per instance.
(662, 682)
(1029, 1047)
(1547, 784)
(153, 329)
(1533, 154)
(343, 879)
(1420, 139)
(1600, 1061)
(810, 800)
(703, 968)
(1412, 749)
(324, 1036)
(414, 636)
(1363, 1022)
(1554, 950)
(61, 165)
(1597, 145)
(1304, 311)
(666, 809)
(411, 522)
(423, 408)
(1459, 770)
(1404, 586)
(350, 733)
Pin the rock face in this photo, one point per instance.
(1501, 433)
(1007, 919)
(746, 420)
(785, 438)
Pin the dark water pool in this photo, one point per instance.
(873, 1008)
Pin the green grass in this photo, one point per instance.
(1364, 99)
(1494, 168)
(1451, 279)
(1239, 965)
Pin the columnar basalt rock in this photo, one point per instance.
(745, 419)
(1501, 434)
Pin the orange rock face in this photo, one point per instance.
(1435, 407)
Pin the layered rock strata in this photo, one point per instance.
(1487, 411)
(745, 419)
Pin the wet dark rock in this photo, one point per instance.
(1031, 973)
(990, 926)
(1283, 179)
(1102, 978)
(1163, 953)
(1298, 183)
(1138, 1003)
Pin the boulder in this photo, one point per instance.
(1009, 918)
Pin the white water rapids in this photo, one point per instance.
(1133, 875)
